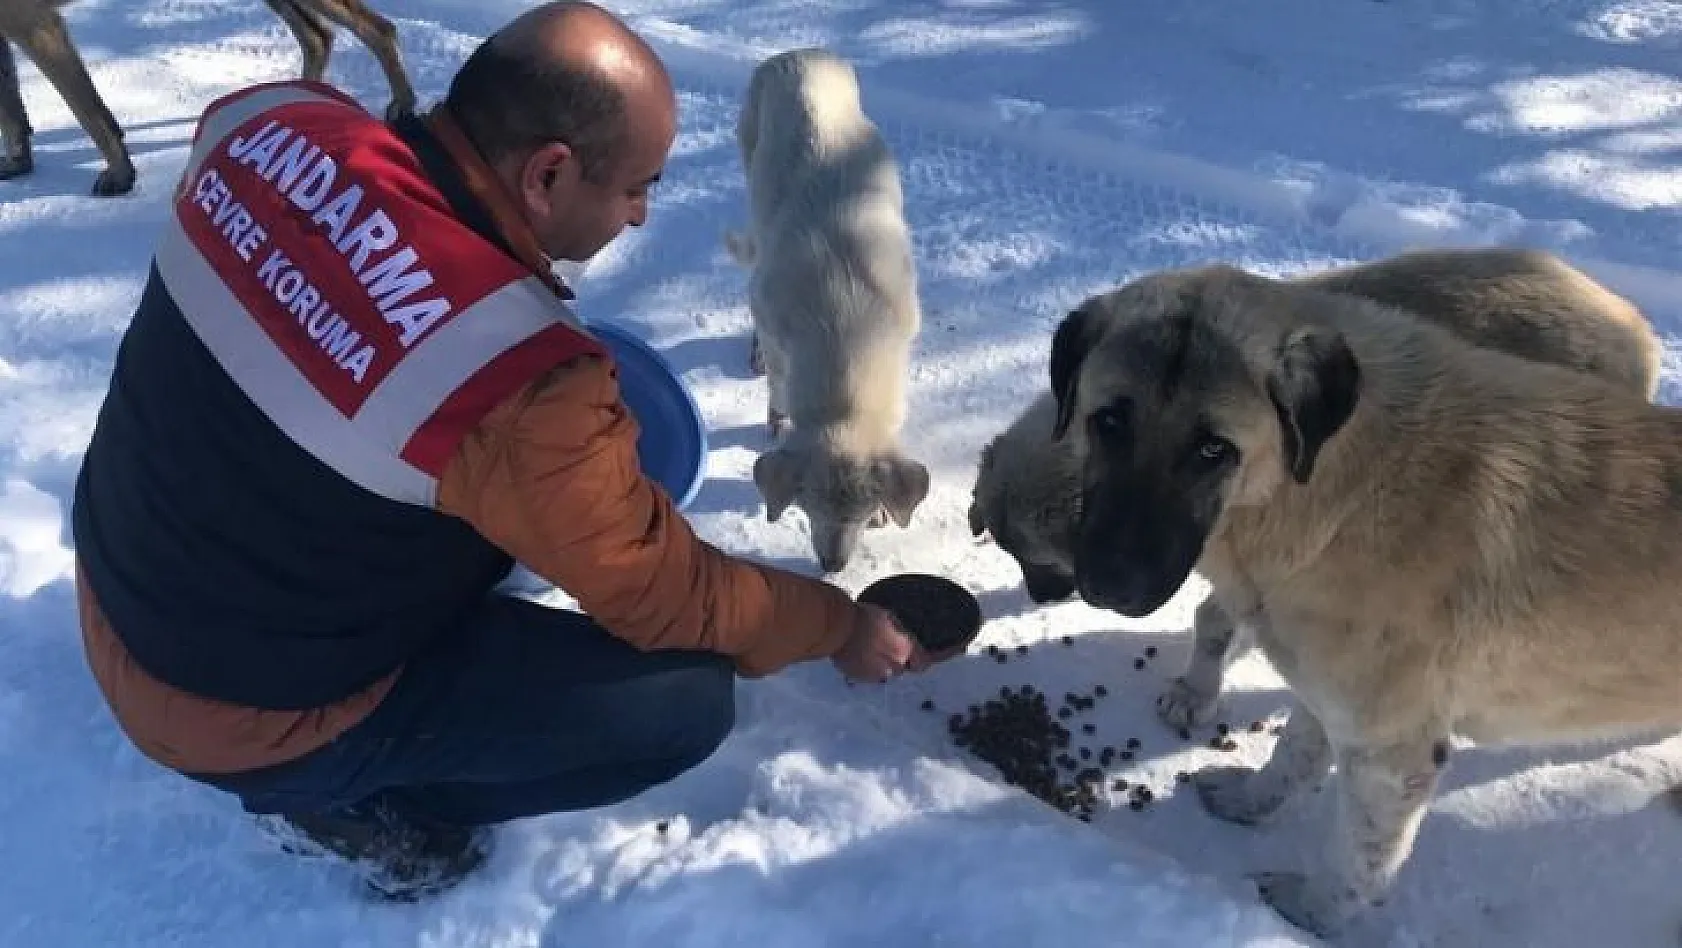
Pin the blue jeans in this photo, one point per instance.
(525, 710)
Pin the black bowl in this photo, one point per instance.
(940, 614)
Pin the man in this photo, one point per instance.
(351, 397)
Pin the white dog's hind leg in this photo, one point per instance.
(1193, 699)
(756, 354)
(1302, 757)
(1383, 793)
(776, 393)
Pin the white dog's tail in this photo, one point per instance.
(741, 247)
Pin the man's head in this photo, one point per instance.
(576, 114)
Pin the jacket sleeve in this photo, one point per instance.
(551, 476)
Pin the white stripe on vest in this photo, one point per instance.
(366, 446)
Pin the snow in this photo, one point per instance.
(1049, 150)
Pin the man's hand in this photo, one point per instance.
(877, 650)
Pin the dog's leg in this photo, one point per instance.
(776, 401)
(1383, 792)
(1302, 757)
(47, 41)
(1193, 698)
(380, 36)
(314, 36)
(17, 158)
(756, 355)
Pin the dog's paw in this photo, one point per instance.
(16, 166)
(114, 181)
(1234, 794)
(1305, 904)
(1180, 706)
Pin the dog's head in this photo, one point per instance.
(1181, 395)
(1031, 514)
(840, 494)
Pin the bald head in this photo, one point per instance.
(584, 36)
(565, 71)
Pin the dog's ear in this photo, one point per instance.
(901, 484)
(777, 474)
(1314, 386)
(1074, 338)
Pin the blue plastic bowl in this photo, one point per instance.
(672, 443)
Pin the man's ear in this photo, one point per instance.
(777, 475)
(1314, 386)
(548, 165)
(1076, 335)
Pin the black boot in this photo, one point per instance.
(401, 858)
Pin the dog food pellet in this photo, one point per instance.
(1138, 663)
(1185, 734)
(1065, 713)
(1222, 729)
(1126, 755)
(1214, 743)
(1135, 804)
(1086, 753)
(1001, 658)
(1088, 729)
(660, 827)
(1119, 786)
(1022, 650)
(1150, 651)
(1100, 691)
(1068, 640)
(1132, 743)
(927, 705)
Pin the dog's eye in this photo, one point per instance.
(1107, 421)
(1213, 451)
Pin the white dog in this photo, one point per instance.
(833, 292)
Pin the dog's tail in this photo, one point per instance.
(741, 247)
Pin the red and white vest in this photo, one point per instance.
(332, 281)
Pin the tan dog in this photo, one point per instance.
(1525, 302)
(1448, 540)
(36, 27)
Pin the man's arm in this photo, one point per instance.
(551, 476)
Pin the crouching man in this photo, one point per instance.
(351, 396)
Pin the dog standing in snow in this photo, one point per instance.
(1434, 540)
(1525, 302)
(833, 294)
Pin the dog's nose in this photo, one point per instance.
(1132, 594)
(1048, 586)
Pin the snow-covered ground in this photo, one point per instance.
(1049, 149)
